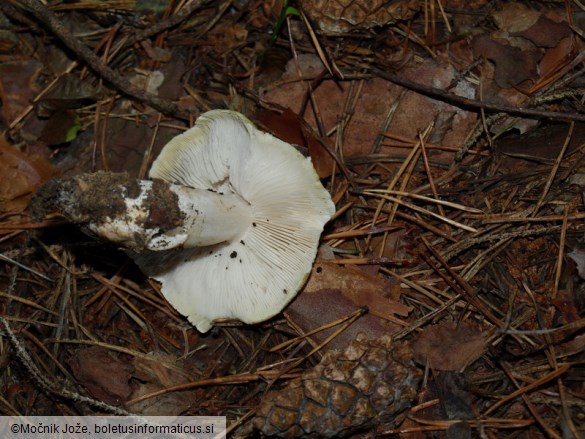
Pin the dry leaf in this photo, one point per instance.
(566, 303)
(158, 54)
(512, 64)
(373, 104)
(21, 174)
(18, 87)
(61, 127)
(379, 295)
(515, 17)
(578, 256)
(102, 372)
(556, 62)
(312, 310)
(546, 32)
(322, 160)
(162, 372)
(285, 126)
(69, 92)
(334, 292)
(449, 346)
(226, 36)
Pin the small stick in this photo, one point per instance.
(245, 377)
(53, 387)
(462, 102)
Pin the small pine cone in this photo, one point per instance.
(339, 16)
(369, 383)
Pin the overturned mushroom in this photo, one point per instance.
(229, 223)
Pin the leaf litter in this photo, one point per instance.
(450, 136)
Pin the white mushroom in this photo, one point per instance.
(252, 223)
(229, 223)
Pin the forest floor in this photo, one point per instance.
(451, 138)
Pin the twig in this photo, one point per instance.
(460, 246)
(24, 267)
(416, 208)
(504, 218)
(246, 377)
(522, 393)
(436, 200)
(168, 23)
(463, 288)
(554, 170)
(459, 101)
(51, 386)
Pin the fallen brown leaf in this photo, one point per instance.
(160, 373)
(378, 294)
(513, 65)
(103, 373)
(18, 87)
(449, 346)
(21, 173)
(334, 292)
(546, 32)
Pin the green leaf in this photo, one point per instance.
(287, 11)
(73, 131)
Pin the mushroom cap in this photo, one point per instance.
(253, 277)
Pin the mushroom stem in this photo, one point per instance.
(211, 217)
(145, 215)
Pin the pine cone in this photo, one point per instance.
(338, 16)
(369, 383)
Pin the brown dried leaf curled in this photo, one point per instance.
(367, 384)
